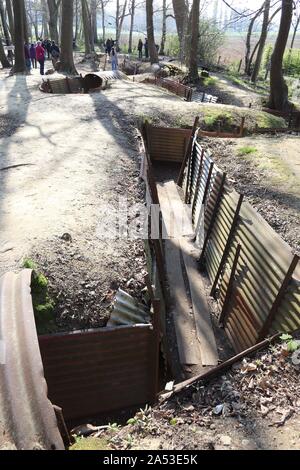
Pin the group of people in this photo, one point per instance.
(37, 52)
(111, 51)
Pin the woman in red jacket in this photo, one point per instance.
(40, 56)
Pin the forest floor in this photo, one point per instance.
(252, 406)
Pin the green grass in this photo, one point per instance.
(90, 443)
(246, 150)
(213, 117)
(209, 81)
(43, 305)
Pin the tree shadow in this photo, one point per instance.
(17, 104)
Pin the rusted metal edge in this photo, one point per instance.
(212, 372)
(27, 417)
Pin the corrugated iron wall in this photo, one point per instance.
(166, 144)
(98, 371)
(258, 290)
(177, 88)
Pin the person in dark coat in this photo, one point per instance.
(146, 48)
(108, 47)
(140, 49)
(33, 56)
(55, 52)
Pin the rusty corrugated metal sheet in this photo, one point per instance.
(128, 311)
(262, 266)
(99, 371)
(27, 418)
(167, 144)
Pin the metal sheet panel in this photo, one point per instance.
(167, 144)
(27, 418)
(263, 262)
(99, 371)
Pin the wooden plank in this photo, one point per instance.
(205, 334)
(188, 345)
(185, 324)
(180, 307)
(172, 204)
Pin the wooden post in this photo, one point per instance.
(187, 186)
(279, 297)
(230, 287)
(240, 65)
(207, 182)
(213, 218)
(156, 347)
(242, 127)
(227, 246)
(198, 181)
(188, 152)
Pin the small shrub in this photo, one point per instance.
(247, 150)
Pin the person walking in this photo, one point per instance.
(33, 56)
(146, 48)
(114, 59)
(55, 52)
(40, 57)
(108, 47)
(27, 56)
(140, 49)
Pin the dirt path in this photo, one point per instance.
(80, 157)
(235, 94)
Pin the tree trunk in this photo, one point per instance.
(295, 32)
(120, 15)
(5, 28)
(103, 21)
(10, 16)
(53, 6)
(150, 33)
(193, 68)
(278, 89)
(25, 23)
(86, 26)
(3, 59)
(45, 17)
(66, 57)
(20, 66)
(132, 13)
(94, 22)
(76, 20)
(181, 13)
(248, 42)
(262, 42)
(164, 28)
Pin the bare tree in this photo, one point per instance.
(19, 8)
(94, 23)
(53, 6)
(193, 56)
(5, 28)
(103, 4)
(3, 59)
(181, 13)
(295, 23)
(248, 40)
(10, 16)
(132, 13)
(150, 33)
(262, 41)
(120, 15)
(278, 89)
(66, 57)
(86, 23)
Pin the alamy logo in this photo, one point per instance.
(168, 220)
